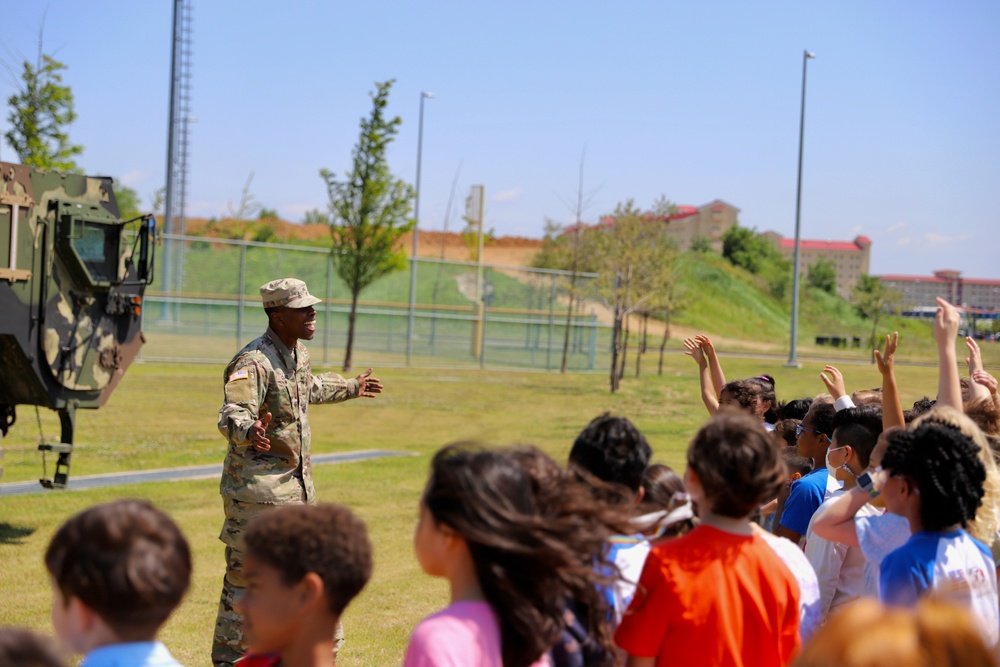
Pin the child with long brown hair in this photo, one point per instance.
(513, 552)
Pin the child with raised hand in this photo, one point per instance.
(512, 559)
(975, 363)
(753, 395)
(117, 571)
(933, 476)
(892, 408)
(719, 595)
(303, 566)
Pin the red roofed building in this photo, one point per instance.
(919, 291)
(851, 259)
(709, 221)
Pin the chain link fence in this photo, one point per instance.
(465, 314)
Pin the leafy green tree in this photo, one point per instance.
(267, 214)
(823, 275)
(701, 244)
(746, 248)
(634, 259)
(40, 112)
(369, 209)
(872, 298)
(128, 201)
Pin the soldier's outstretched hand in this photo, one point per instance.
(368, 386)
(256, 433)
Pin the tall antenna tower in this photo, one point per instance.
(178, 144)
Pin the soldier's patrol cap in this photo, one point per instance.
(287, 292)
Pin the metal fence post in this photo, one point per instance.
(593, 341)
(552, 300)
(326, 314)
(242, 296)
(482, 329)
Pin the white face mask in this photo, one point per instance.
(832, 469)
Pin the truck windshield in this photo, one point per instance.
(97, 246)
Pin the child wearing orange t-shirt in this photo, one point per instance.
(719, 595)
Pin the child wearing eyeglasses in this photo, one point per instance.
(791, 518)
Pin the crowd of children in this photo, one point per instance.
(838, 530)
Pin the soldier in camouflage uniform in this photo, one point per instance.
(268, 390)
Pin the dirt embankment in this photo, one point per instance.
(505, 250)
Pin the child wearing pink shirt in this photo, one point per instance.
(512, 558)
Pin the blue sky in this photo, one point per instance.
(693, 100)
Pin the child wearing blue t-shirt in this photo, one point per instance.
(933, 477)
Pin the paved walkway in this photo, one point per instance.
(84, 482)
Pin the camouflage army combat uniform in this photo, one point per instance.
(265, 377)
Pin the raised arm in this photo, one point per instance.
(835, 521)
(990, 382)
(892, 409)
(718, 377)
(945, 331)
(694, 350)
(975, 363)
(834, 381)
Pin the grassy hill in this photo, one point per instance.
(726, 302)
(734, 305)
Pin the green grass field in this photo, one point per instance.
(164, 415)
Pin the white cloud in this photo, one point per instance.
(857, 230)
(896, 227)
(937, 239)
(903, 240)
(511, 194)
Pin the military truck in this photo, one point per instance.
(72, 279)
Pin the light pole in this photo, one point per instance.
(416, 225)
(792, 360)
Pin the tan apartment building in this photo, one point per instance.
(851, 259)
(709, 221)
(919, 291)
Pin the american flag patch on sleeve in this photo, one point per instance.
(242, 374)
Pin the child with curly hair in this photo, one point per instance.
(932, 476)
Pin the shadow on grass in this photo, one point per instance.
(13, 534)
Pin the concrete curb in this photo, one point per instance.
(85, 482)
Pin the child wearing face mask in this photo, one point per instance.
(840, 568)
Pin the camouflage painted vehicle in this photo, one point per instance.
(71, 289)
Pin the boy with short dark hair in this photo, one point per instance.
(118, 570)
(304, 564)
(613, 452)
(719, 595)
(840, 567)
